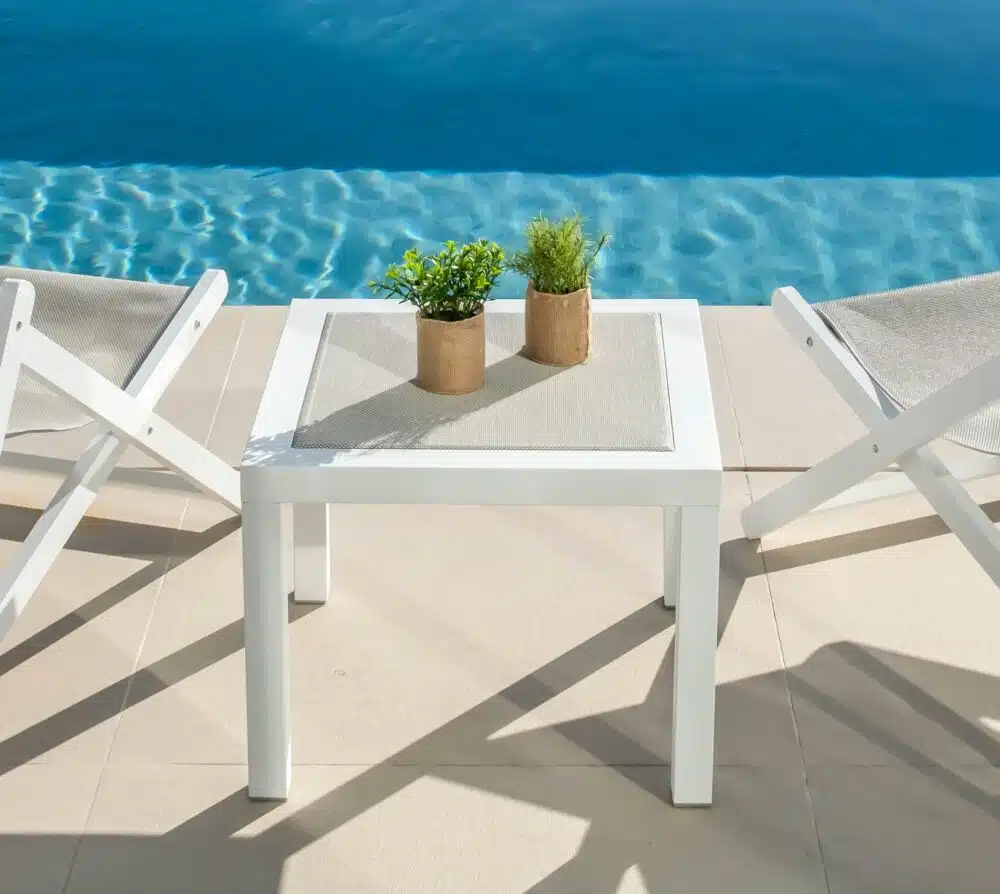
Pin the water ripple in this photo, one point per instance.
(312, 233)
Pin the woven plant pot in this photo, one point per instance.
(451, 357)
(557, 327)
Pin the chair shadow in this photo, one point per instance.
(207, 851)
(256, 864)
(151, 477)
(164, 548)
(872, 539)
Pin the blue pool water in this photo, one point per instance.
(837, 145)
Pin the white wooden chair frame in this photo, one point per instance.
(894, 436)
(127, 412)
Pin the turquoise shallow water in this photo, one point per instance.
(315, 233)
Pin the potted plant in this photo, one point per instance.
(557, 263)
(449, 290)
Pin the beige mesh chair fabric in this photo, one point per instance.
(914, 341)
(109, 324)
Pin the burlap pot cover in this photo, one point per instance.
(451, 357)
(557, 327)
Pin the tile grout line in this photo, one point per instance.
(745, 469)
(729, 390)
(168, 564)
(124, 702)
(225, 383)
(177, 533)
(791, 708)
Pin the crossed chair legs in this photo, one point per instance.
(128, 413)
(894, 436)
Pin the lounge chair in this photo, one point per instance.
(915, 364)
(105, 350)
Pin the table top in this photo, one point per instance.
(361, 392)
(341, 393)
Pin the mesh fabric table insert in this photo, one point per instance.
(361, 393)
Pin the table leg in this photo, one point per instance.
(695, 640)
(671, 554)
(311, 529)
(265, 622)
(288, 548)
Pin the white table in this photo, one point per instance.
(341, 422)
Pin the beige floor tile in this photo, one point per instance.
(572, 830)
(139, 489)
(618, 715)
(469, 618)
(43, 812)
(555, 627)
(192, 400)
(887, 628)
(725, 415)
(907, 830)
(66, 663)
(76, 644)
(786, 412)
(35, 451)
(245, 384)
(147, 499)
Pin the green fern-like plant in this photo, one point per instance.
(559, 255)
(451, 285)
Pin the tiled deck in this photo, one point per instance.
(483, 705)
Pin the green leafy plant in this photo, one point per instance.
(451, 285)
(559, 255)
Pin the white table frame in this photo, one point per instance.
(686, 482)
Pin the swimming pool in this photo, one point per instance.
(303, 144)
